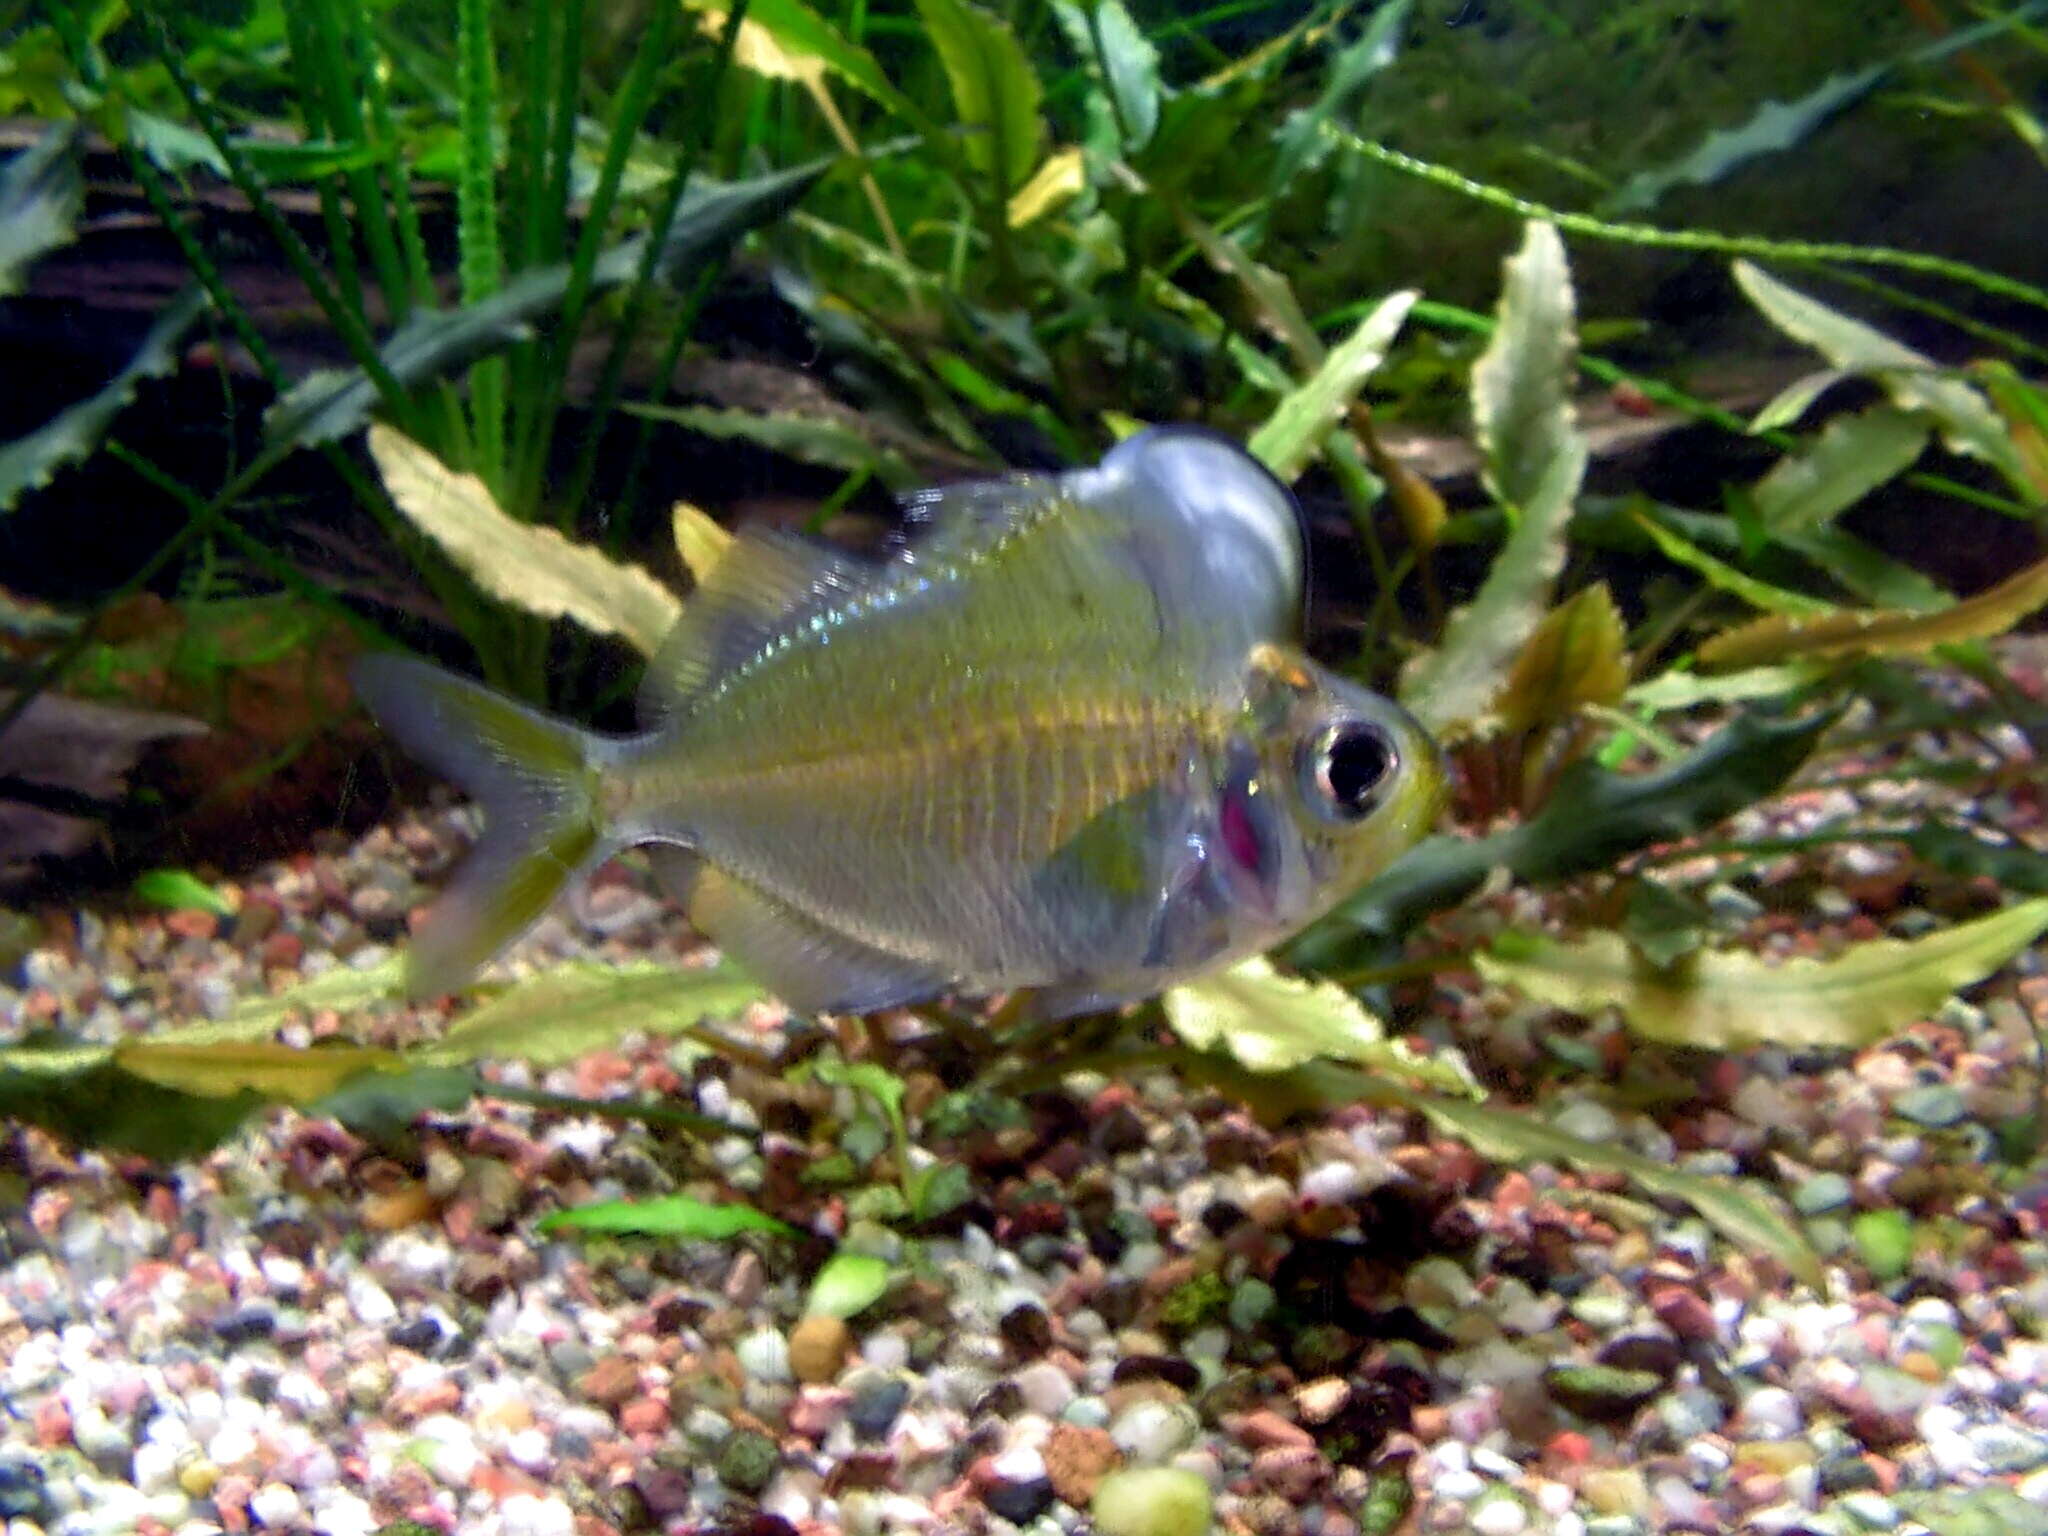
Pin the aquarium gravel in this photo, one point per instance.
(1329, 1328)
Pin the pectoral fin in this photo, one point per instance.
(809, 966)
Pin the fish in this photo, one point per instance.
(1063, 737)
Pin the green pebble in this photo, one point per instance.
(1822, 1193)
(748, 1460)
(1388, 1499)
(1934, 1105)
(1152, 1501)
(1884, 1240)
(1251, 1304)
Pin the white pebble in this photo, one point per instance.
(232, 1445)
(371, 1303)
(764, 1355)
(1462, 1486)
(338, 1512)
(1045, 1388)
(528, 1448)
(154, 1466)
(886, 1350)
(524, 1514)
(1330, 1183)
(1500, 1517)
(274, 1505)
(1149, 1433)
(1772, 1413)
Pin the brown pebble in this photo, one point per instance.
(1076, 1459)
(1263, 1429)
(614, 1380)
(818, 1347)
(405, 1206)
(1294, 1472)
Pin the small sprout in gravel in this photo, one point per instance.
(1152, 1501)
(1200, 1300)
(1884, 1240)
(848, 1283)
(748, 1461)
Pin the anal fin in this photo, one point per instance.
(811, 967)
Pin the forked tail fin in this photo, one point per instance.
(537, 782)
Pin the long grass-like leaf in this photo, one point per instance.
(482, 262)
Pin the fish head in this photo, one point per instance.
(1354, 780)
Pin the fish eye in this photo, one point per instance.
(1345, 768)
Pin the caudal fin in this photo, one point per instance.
(538, 787)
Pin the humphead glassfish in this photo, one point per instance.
(1061, 739)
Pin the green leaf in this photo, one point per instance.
(529, 565)
(1871, 574)
(2014, 867)
(801, 31)
(331, 403)
(1879, 631)
(383, 1106)
(41, 193)
(676, 1216)
(1290, 437)
(179, 890)
(1272, 1022)
(848, 1283)
(1773, 127)
(1593, 817)
(1752, 590)
(1746, 1218)
(1969, 425)
(74, 432)
(82, 1097)
(344, 989)
(1302, 144)
(1662, 924)
(1853, 456)
(575, 1008)
(1458, 681)
(1521, 385)
(808, 439)
(995, 92)
(1729, 999)
(1123, 112)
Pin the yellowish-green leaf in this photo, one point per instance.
(760, 50)
(1880, 631)
(532, 567)
(700, 542)
(1453, 685)
(1852, 457)
(848, 1283)
(1687, 690)
(343, 989)
(1521, 385)
(1271, 295)
(1272, 1022)
(1914, 381)
(1731, 999)
(1290, 437)
(1577, 656)
(1751, 1220)
(2025, 410)
(1052, 186)
(1752, 590)
(288, 1074)
(995, 91)
(573, 1009)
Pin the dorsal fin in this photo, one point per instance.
(765, 584)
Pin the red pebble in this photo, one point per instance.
(53, 1423)
(1570, 1447)
(644, 1416)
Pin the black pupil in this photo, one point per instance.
(1358, 764)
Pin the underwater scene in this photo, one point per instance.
(1069, 767)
